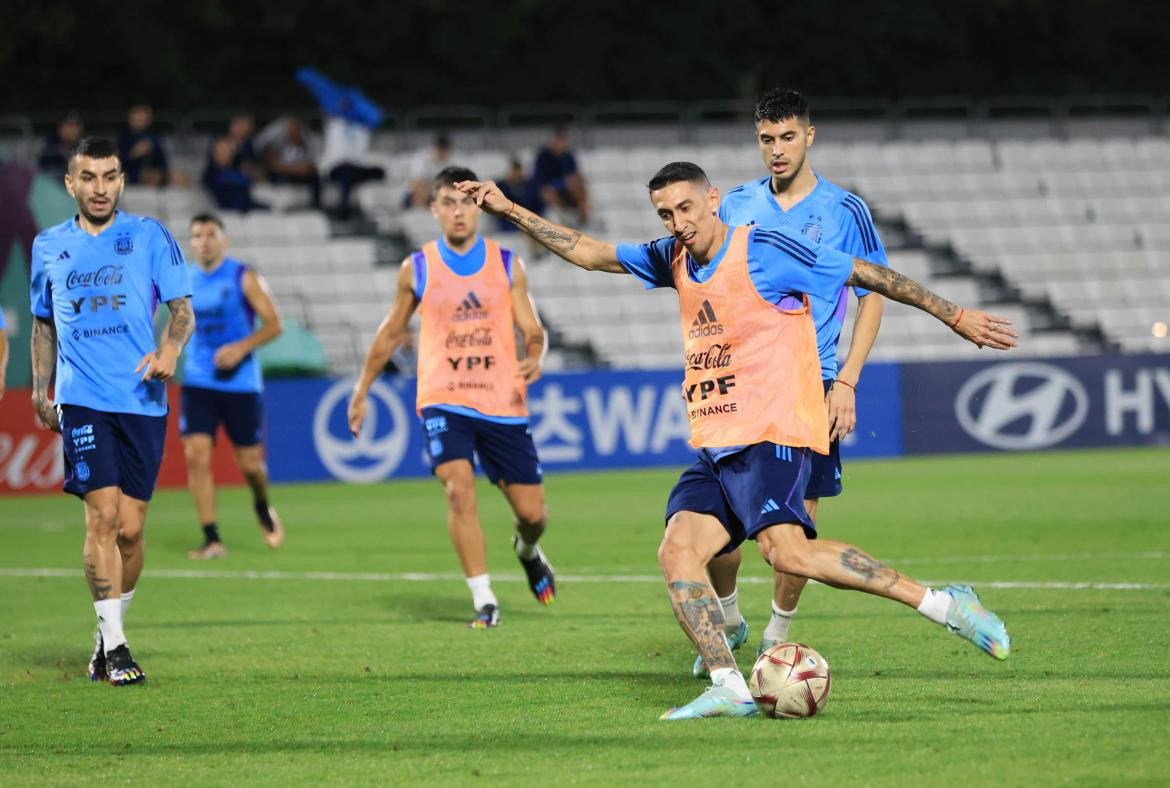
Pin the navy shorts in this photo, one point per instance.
(824, 480)
(753, 489)
(102, 449)
(505, 451)
(241, 413)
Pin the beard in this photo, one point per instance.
(99, 221)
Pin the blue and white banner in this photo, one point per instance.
(627, 419)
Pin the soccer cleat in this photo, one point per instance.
(486, 617)
(737, 639)
(97, 661)
(541, 576)
(207, 552)
(764, 646)
(967, 618)
(273, 536)
(122, 668)
(716, 701)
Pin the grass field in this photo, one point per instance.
(340, 667)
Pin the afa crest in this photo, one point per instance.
(812, 232)
(123, 245)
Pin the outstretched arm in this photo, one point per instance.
(391, 333)
(572, 245)
(44, 361)
(980, 328)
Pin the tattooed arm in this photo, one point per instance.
(973, 325)
(44, 362)
(572, 245)
(160, 364)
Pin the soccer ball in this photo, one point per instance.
(790, 680)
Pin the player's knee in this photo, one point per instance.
(675, 554)
(791, 561)
(531, 517)
(102, 521)
(460, 495)
(130, 534)
(253, 468)
(198, 458)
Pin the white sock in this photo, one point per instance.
(481, 591)
(109, 616)
(935, 605)
(127, 598)
(733, 679)
(777, 628)
(525, 550)
(731, 614)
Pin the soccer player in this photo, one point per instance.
(472, 391)
(756, 407)
(795, 197)
(221, 379)
(96, 280)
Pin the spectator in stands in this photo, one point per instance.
(230, 186)
(519, 188)
(557, 178)
(423, 169)
(143, 159)
(346, 144)
(288, 157)
(59, 145)
(241, 130)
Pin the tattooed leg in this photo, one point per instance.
(837, 564)
(102, 561)
(701, 616)
(690, 542)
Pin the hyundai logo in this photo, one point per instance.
(1021, 406)
(377, 450)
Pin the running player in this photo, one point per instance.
(795, 197)
(221, 379)
(756, 407)
(472, 295)
(96, 280)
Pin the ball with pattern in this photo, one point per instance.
(790, 680)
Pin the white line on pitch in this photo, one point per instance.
(432, 577)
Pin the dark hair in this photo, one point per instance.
(781, 104)
(442, 140)
(678, 171)
(207, 218)
(95, 148)
(449, 176)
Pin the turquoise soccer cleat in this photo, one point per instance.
(967, 618)
(699, 670)
(764, 646)
(716, 701)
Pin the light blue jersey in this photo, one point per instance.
(222, 316)
(101, 292)
(829, 215)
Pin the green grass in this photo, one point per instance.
(373, 681)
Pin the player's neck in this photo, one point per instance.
(210, 265)
(712, 250)
(787, 192)
(93, 228)
(461, 247)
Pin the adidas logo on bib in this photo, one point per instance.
(705, 324)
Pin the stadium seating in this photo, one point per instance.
(1071, 239)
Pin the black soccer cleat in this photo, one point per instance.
(97, 661)
(122, 668)
(486, 617)
(541, 577)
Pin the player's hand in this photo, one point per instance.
(46, 413)
(1, 384)
(158, 365)
(986, 330)
(842, 404)
(230, 355)
(487, 196)
(356, 414)
(530, 370)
